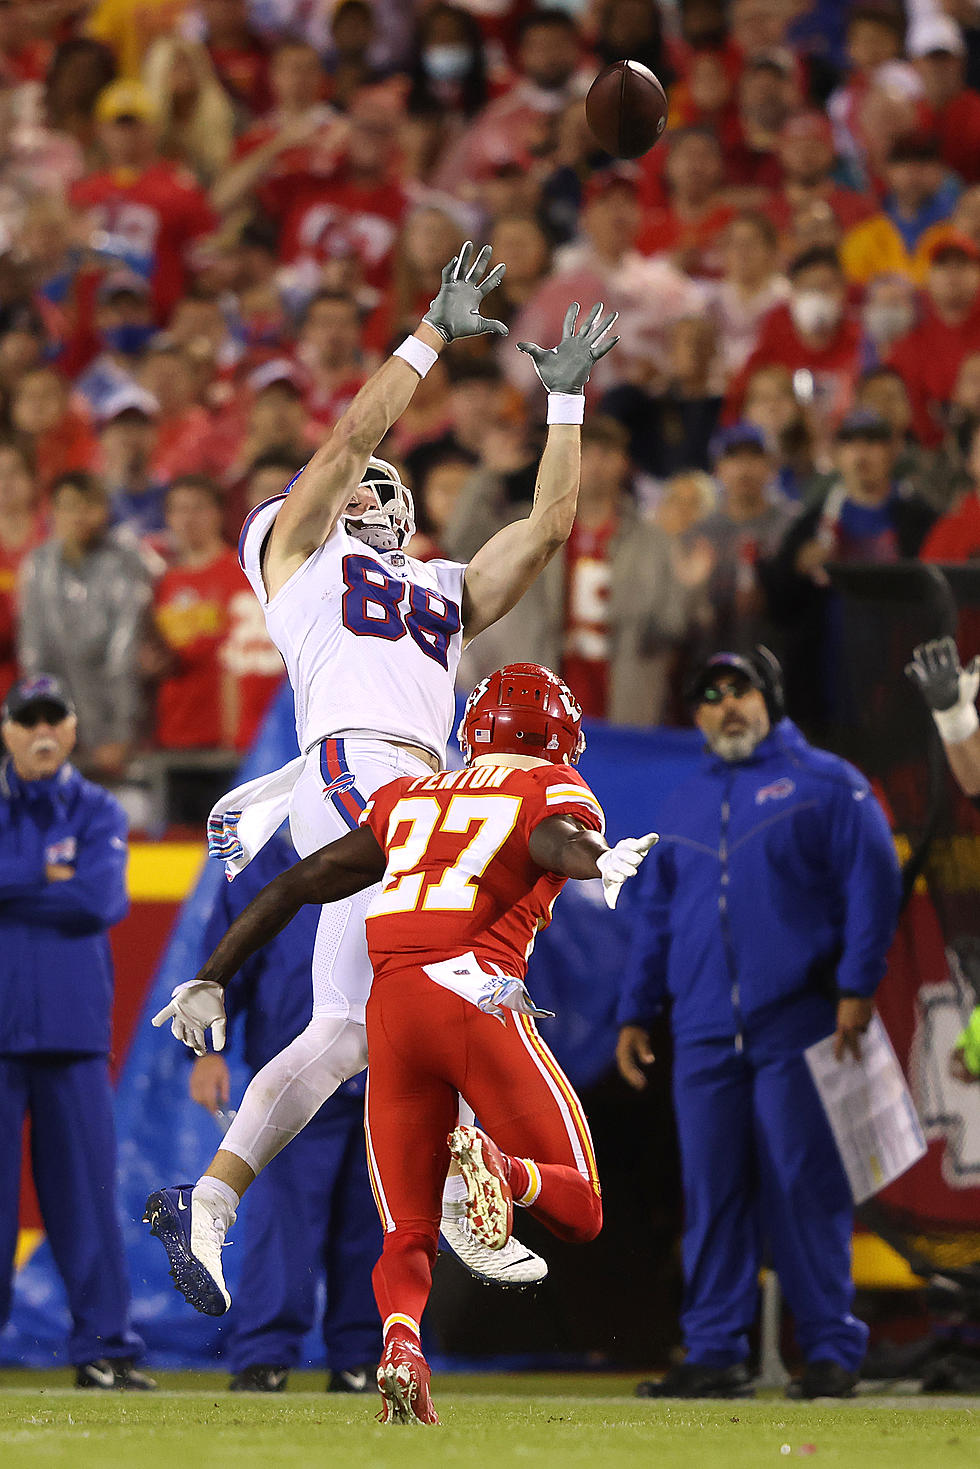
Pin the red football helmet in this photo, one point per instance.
(523, 709)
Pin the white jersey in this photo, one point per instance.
(371, 639)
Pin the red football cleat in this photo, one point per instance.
(489, 1201)
(403, 1382)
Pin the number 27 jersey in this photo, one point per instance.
(371, 640)
(460, 876)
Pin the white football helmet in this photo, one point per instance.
(390, 522)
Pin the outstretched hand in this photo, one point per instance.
(455, 312)
(935, 670)
(566, 368)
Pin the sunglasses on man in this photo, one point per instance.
(715, 692)
(36, 714)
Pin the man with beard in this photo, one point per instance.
(764, 915)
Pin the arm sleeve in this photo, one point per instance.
(863, 853)
(95, 898)
(644, 987)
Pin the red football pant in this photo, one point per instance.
(426, 1048)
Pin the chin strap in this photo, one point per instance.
(378, 537)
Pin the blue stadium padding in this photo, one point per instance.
(166, 1138)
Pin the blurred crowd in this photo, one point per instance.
(218, 216)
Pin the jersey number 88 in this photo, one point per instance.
(372, 608)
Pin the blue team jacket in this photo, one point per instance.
(774, 878)
(55, 964)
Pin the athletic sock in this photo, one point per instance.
(218, 1198)
(454, 1197)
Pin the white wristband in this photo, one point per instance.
(417, 354)
(566, 407)
(957, 724)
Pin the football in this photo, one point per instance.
(626, 109)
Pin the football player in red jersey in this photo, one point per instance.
(472, 863)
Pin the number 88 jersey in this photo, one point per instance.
(371, 640)
(460, 876)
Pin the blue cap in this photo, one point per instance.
(864, 423)
(741, 435)
(43, 688)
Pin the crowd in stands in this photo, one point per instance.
(218, 216)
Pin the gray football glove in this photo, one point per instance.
(566, 368)
(935, 670)
(455, 312)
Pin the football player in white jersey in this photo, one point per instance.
(371, 640)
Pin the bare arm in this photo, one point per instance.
(502, 570)
(335, 471)
(565, 845)
(329, 480)
(337, 871)
(964, 762)
(237, 181)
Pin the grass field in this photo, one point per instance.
(550, 1422)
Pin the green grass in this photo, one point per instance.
(550, 1422)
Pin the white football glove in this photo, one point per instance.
(195, 1007)
(622, 861)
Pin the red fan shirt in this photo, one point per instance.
(158, 213)
(191, 610)
(323, 218)
(10, 560)
(588, 576)
(460, 877)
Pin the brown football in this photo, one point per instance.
(626, 109)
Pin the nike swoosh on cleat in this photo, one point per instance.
(522, 1261)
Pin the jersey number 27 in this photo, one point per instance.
(494, 818)
(372, 608)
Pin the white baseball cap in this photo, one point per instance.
(934, 33)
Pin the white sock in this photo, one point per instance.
(454, 1196)
(218, 1198)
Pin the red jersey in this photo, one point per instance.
(460, 877)
(10, 560)
(929, 359)
(158, 213)
(956, 536)
(588, 576)
(191, 609)
(323, 218)
(251, 658)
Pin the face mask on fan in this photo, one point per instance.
(814, 311)
(448, 63)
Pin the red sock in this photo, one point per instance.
(402, 1278)
(559, 1196)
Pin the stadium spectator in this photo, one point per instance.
(751, 285)
(747, 1001)
(690, 227)
(811, 333)
(20, 532)
(128, 27)
(252, 670)
(190, 618)
(448, 80)
(276, 418)
(687, 499)
(59, 438)
(83, 604)
(512, 128)
(238, 54)
(956, 535)
(811, 174)
(174, 381)
(670, 430)
(951, 110)
(772, 406)
(298, 134)
(747, 526)
(920, 196)
(124, 327)
(610, 610)
(522, 242)
(329, 348)
(63, 858)
(312, 1210)
(768, 95)
(929, 356)
(866, 516)
(888, 313)
(429, 236)
(438, 487)
(196, 115)
(875, 36)
(80, 69)
(882, 391)
(474, 407)
(349, 66)
(146, 210)
(127, 441)
(649, 294)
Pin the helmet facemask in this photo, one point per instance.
(387, 524)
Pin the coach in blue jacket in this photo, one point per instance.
(62, 887)
(311, 1211)
(764, 916)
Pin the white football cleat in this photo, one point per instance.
(515, 1264)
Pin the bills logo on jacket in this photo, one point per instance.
(61, 853)
(778, 791)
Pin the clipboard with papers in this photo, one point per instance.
(870, 1111)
